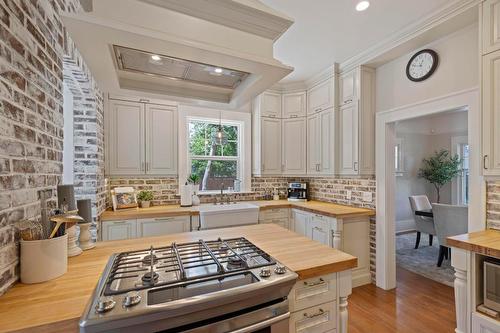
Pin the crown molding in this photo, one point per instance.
(244, 15)
(414, 30)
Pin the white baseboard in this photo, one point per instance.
(361, 278)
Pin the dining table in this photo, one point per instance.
(424, 212)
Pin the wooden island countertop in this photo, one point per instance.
(485, 242)
(319, 207)
(56, 306)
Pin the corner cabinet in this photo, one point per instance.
(356, 122)
(490, 86)
(141, 138)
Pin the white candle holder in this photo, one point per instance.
(86, 242)
(73, 249)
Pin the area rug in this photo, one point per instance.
(423, 260)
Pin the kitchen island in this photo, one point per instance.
(56, 306)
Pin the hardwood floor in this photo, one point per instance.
(417, 305)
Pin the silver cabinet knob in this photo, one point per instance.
(131, 298)
(104, 304)
(280, 269)
(265, 272)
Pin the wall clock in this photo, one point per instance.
(422, 65)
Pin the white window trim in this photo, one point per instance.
(243, 119)
(401, 163)
(456, 188)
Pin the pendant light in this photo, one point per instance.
(220, 137)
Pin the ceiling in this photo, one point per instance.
(332, 31)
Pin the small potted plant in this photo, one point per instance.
(145, 198)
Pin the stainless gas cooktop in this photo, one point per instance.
(168, 288)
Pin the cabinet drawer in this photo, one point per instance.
(312, 292)
(162, 226)
(118, 230)
(317, 319)
(274, 213)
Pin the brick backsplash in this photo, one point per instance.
(34, 52)
(493, 205)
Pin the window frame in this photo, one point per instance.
(399, 160)
(458, 182)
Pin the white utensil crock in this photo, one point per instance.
(44, 260)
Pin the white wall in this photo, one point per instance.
(421, 137)
(458, 70)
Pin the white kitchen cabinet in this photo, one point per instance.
(161, 139)
(356, 127)
(271, 146)
(141, 138)
(270, 104)
(294, 105)
(162, 226)
(319, 229)
(321, 96)
(300, 221)
(320, 143)
(491, 26)
(484, 324)
(316, 319)
(491, 114)
(126, 138)
(279, 216)
(313, 291)
(117, 230)
(294, 146)
(348, 89)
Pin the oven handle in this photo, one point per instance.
(263, 324)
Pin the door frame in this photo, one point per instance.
(385, 138)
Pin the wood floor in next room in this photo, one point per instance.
(417, 305)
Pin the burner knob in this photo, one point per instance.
(265, 272)
(104, 304)
(131, 298)
(280, 269)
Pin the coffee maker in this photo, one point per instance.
(297, 192)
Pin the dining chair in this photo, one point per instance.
(423, 224)
(449, 220)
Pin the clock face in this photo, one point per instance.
(422, 65)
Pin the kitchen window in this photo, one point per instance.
(217, 165)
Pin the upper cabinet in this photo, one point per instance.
(141, 138)
(270, 104)
(294, 146)
(490, 85)
(294, 105)
(271, 150)
(356, 123)
(491, 26)
(320, 143)
(321, 96)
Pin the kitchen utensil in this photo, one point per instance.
(70, 219)
(30, 230)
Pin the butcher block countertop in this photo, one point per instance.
(485, 242)
(324, 208)
(56, 306)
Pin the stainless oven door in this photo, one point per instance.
(268, 319)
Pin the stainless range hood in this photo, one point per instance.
(217, 52)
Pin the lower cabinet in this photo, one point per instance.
(127, 229)
(319, 229)
(117, 230)
(300, 221)
(484, 324)
(279, 216)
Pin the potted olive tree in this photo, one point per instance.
(145, 197)
(440, 169)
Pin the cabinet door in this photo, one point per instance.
(270, 105)
(320, 97)
(319, 229)
(313, 144)
(491, 114)
(294, 105)
(162, 226)
(126, 138)
(294, 146)
(300, 222)
(117, 230)
(271, 146)
(327, 151)
(347, 83)
(483, 324)
(491, 26)
(348, 135)
(161, 140)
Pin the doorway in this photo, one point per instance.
(386, 141)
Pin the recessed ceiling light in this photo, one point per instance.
(362, 5)
(156, 57)
(218, 70)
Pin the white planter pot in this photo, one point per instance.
(145, 204)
